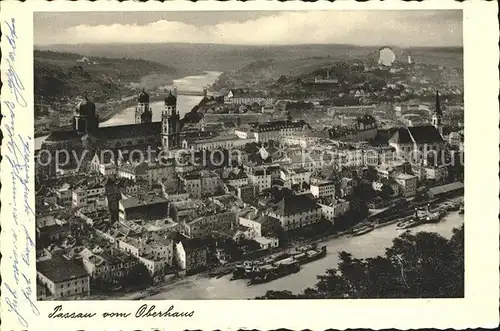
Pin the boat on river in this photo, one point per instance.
(363, 230)
(221, 271)
(310, 255)
(408, 224)
(270, 272)
(242, 270)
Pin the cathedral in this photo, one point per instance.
(421, 140)
(86, 135)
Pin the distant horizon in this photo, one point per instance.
(365, 28)
(250, 45)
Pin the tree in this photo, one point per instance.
(422, 265)
(386, 192)
(371, 174)
(137, 276)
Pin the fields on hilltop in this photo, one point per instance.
(233, 57)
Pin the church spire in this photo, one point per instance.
(436, 118)
(439, 112)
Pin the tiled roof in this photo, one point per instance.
(63, 135)
(447, 188)
(130, 130)
(425, 134)
(59, 269)
(277, 125)
(417, 134)
(111, 132)
(402, 136)
(294, 204)
(147, 200)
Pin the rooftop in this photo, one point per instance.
(59, 269)
(417, 134)
(215, 139)
(447, 188)
(143, 201)
(405, 176)
(294, 204)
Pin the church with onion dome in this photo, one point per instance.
(86, 134)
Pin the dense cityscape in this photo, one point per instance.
(248, 184)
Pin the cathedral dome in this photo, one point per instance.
(143, 97)
(85, 107)
(170, 99)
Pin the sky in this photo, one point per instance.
(410, 28)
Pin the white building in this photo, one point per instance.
(219, 142)
(260, 177)
(408, 184)
(264, 132)
(296, 211)
(335, 209)
(295, 176)
(201, 183)
(267, 242)
(92, 195)
(63, 278)
(455, 139)
(322, 189)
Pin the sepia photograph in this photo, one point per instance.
(188, 155)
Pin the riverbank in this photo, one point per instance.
(202, 286)
(122, 111)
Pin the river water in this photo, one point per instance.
(369, 245)
(184, 102)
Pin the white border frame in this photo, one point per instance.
(479, 308)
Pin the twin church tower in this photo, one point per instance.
(170, 119)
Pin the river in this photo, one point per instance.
(369, 245)
(184, 102)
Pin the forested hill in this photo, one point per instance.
(59, 74)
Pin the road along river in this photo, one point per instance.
(369, 245)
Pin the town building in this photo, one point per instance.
(264, 132)
(143, 207)
(260, 178)
(202, 183)
(235, 177)
(446, 191)
(107, 266)
(322, 188)
(64, 195)
(64, 279)
(334, 208)
(408, 184)
(455, 139)
(89, 195)
(295, 176)
(236, 97)
(215, 221)
(417, 143)
(296, 211)
(218, 142)
(191, 254)
(267, 242)
(154, 251)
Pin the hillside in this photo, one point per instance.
(271, 69)
(65, 75)
(219, 57)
